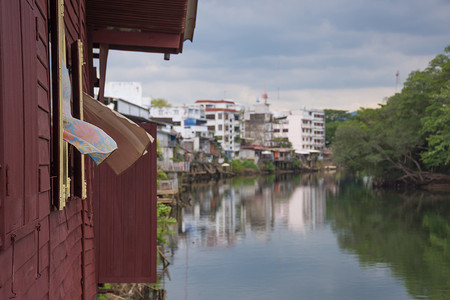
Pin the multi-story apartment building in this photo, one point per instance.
(189, 121)
(304, 128)
(257, 126)
(223, 123)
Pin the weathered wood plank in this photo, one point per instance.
(44, 124)
(44, 178)
(43, 101)
(44, 203)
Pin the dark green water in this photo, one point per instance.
(310, 237)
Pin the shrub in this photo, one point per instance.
(164, 221)
(249, 164)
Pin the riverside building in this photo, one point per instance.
(304, 128)
(223, 123)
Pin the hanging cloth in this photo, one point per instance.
(87, 138)
(132, 140)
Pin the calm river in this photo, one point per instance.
(312, 236)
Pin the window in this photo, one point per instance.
(211, 117)
(211, 128)
(220, 127)
(285, 130)
(67, 171)
(219, 116)
(276, 130)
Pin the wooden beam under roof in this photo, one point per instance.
(138, 41)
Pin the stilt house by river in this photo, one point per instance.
(67, 225)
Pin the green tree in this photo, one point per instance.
(437, 125)
(333, 118)
(406, 138)
(160, 102)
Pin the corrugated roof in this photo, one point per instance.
(141, 25)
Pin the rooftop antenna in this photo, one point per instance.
(278, 79)
(397, 80)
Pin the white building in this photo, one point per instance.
(129, 91)
(223, 123)
(304, 128)
(189, 121)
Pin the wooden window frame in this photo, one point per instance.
(61, 180)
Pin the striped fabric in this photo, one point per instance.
(87, 138)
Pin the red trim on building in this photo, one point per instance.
(220, 109)
(215, 101)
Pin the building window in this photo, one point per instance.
(285, 130)
(219, 116)
(211, 128)
(220, 127)
(211, 117)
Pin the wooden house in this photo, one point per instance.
(67, 225)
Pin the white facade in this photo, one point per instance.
(129, 91)
(189, 121)
(305, 129)
(223, 123)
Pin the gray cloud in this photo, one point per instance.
(291, 48)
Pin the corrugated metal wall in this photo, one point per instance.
(125, 216)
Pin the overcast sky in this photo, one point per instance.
(339, 54)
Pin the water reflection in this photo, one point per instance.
(321, 236)
(409, 232)
(225, 211)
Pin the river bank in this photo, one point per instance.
(210, 171)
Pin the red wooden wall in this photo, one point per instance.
(44, 254)
(47, 253)
(125, 215)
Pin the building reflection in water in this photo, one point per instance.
(226, 211)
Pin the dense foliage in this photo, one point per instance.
(407, 138)
(333, 118)
(239, 166)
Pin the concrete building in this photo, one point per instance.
(126, 107)
(223, 123)
(257, 126)
(304, 128)
(129, 91)
(189, 121)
